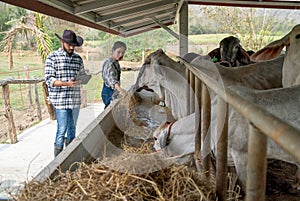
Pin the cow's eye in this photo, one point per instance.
(155, 138)
(297, 36)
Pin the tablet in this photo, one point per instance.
(83, 77)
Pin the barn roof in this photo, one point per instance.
(129, 17)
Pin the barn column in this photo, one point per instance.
(182, 14)
(183, 29)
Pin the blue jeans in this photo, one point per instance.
(66, 123)
(106, 95)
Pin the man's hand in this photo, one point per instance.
(71, 83)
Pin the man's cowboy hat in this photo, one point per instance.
(70, 37)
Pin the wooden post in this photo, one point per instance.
(83, 98)
(222, 141)
(257, 165)
(20, 88)
(192, 92)
(37, 102)
(12, 134)
(206, 112)
(197, 154)
(187, 76)
(51, 109)
(28, 87)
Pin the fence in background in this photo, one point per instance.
(11, 128)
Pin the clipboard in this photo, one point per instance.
(85, 78)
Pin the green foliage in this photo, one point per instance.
(30, 24)
(206, 39)
(43, 39)
(254, 27)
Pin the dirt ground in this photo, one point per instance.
(22, 119)
(280, 179)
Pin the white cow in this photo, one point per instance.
(291, 65)
(178, 138)
(261, 75)
(170, 136)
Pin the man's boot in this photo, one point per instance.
(67, 142)
(57, 150)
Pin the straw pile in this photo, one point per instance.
(98, 181)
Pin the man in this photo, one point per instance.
(61, 68)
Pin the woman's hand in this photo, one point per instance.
(122, 91)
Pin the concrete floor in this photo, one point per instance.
(20, 162)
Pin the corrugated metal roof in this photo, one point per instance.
(129, 17)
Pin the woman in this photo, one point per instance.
(111, 73)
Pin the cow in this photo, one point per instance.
(291, 65)
(181, 132)
(230, 53)
(261, 75)
(166, 77)
(178, 138)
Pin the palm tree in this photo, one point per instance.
(26, 25)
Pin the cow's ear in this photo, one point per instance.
(215, 55)
(243, 56)
(271, 51)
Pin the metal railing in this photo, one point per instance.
(262, 125)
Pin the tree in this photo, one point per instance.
(254, 27)
(26, 25)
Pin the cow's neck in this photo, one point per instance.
(291, 70)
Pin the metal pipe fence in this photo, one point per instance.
(262, 125)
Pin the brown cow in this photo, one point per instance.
(230, 53)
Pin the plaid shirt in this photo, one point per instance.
(59, 66)
(111, 72)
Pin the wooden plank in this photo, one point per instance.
(20, 81)
(9, 115)
(37, 102)
(50, 107)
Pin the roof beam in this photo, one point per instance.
(144, 16)
(61, 4)
(127, 33)
(145, 24)
(97, 4)
(134, 10)
(40, 7)
(166, 28)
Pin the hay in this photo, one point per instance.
(100, 180)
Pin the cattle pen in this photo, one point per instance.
(93, 142)
(262, 125)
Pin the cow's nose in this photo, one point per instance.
(225, 63)
(155, 138)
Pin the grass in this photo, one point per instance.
(18, 93)
(206, 39)
(18, 97)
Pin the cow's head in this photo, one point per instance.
(230, 53)
(291, 65)
(160, 136)
(166, 78)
